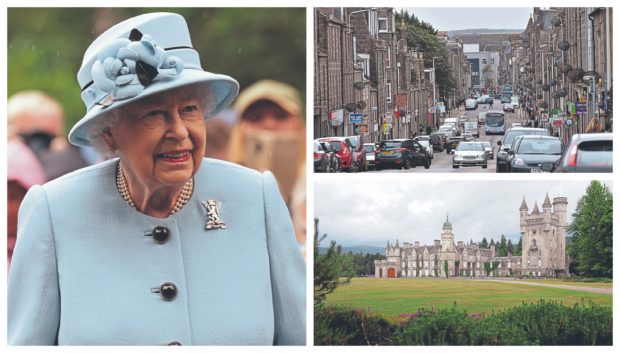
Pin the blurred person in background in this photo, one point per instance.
(218, 135)
(38, 119)
(594, 126)
(23, 171)
(158, 245)
(270, 132)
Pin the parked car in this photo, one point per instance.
(438, 140)
(344, 148)
(463, 119)
(586, 153)
(505, 143)
(359, 155)
(422, 138)
(469, 154)
(334, 158)
(488, 149)
(370, 150)
(321, 159)
(453, 142)
(471, 104)
(426, 144)
(488, 100)
(509, 107)
(482, 118)
(528, 153)
(401, 153)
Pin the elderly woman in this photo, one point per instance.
(158, 246)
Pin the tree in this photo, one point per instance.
(487, 70)
(518, 247)
(445, 268)
(484, 244)
(492, 243)
(436, 266)
(330, 270)
(422, 36)
(510, 249)
(502, 247)
(591, 244)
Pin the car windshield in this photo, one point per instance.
(336, 145)
(539, 146)
(469, 147)
(595, 154)
(368, 148)
(390, 144)
(512, 134)
(495, 119)
(423, 143)
(486, 144)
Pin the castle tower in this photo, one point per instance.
(447, 237)
(559, 210)
(523, 213)
(547, 209)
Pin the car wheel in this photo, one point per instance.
(455, 166)
(427, 165)
(484, 166)
(407, 164)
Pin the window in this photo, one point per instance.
(383, 25)
(365, 64)
(492, 60)
(484, 61)
(388, 57)
(389, 92)
(372, 23)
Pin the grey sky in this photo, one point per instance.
(454, 18)
(371, 212)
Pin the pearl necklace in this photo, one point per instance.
(184, 196)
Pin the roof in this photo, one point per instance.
(547, 202)
(523, 205)
(535, 210)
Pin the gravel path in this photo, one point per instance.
(562, 286)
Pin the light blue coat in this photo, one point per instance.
(84, 273)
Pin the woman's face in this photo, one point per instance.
(161, 139)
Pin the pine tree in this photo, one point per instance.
(330, 270)
(591, 246)
(510, 248)
(502, 251)
(518, 248)
(484, 244)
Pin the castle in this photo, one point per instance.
(543, 251)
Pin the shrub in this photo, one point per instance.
(541, 323)
(344, 326)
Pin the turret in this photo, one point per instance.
(523, 209)
(559, 209)
(535, 211)
(547, 205)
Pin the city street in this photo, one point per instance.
(442, 161)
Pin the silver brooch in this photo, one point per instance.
(213, 214)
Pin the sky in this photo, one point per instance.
(454, 18)
(371, 212)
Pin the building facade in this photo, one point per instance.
(543, 237)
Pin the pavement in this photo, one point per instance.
(560, 286)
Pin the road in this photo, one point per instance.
(442, 162)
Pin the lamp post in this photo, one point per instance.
(434, 97)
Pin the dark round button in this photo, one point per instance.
(161, 234)
(168, 291)
(175, 343)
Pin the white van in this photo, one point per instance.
(471, 104)
(514, 100)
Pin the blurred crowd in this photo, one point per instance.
(265, 131)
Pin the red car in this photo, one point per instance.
(344, 148)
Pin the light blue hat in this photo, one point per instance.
(141, 56)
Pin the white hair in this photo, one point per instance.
(96, 128)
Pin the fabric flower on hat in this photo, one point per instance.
(125, 67)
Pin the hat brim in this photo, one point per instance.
(223, 90)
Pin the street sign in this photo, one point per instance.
(581, 108)
(569, 122)
(355, 118)
(557, 122)
(363, 128)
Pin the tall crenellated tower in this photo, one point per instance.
(447, 237)
(543, 251)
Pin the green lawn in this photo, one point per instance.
(391, 297)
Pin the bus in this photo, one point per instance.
(495, 123)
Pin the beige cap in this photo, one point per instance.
(282, 94)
